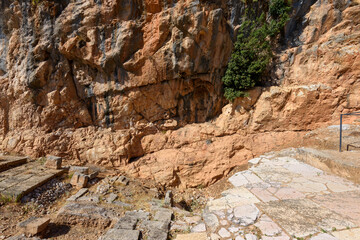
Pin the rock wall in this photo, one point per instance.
(131, 67)
(136, 85)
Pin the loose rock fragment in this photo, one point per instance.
(211, 221)
(199, 228)
(79, 180)
(53, 162)
(250, 237)
(112, 197)
(77, 195)
(79, 169)
(168, 202)
(224, 233)
(93, 175)
(33, 226)
(192, 220)
(122, 180)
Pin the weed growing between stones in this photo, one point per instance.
(35, 2)
(5, 200)
(42, 160)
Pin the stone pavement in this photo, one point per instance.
(281, 198)
(21, 180)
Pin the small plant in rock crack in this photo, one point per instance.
(42, 160)
(200, 186)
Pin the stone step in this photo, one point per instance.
(343, 164)
(8, 162)
(18, 181)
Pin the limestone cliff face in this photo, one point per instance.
(129, 67)
(137, 84)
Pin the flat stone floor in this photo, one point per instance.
(7, 162)
(293, 200)
(20, 180)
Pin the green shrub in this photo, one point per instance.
(250, 57)
(253, 50)
(278, 8)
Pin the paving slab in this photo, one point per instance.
(288, 193)
(308, 186)
(324, 236)
(293, 223)
(246, 215)
(349, 234)
(302, 217)
(263, 194)
(238, 180)
(18, 181)
(7, 162)
(233, 198)
(275, 173)
(281, 237)
(346, 204)
(294, 198)
(126, 222)
(268, 227)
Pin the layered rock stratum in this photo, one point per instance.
(136, 85)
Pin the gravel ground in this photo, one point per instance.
(47, 193)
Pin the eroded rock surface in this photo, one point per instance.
(137, 84)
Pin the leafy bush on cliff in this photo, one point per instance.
(278, 9)
(252, 50)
